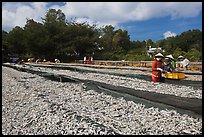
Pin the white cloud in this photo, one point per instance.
(100, 12)
(169, 34)
(126, 11)
(15, 14)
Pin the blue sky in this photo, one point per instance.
(155, 28)
(142, 20)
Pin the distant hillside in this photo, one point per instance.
(188, 44)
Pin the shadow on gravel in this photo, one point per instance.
(191, 106)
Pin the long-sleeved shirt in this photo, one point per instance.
(157, 64)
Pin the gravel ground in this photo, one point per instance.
(34, 105)
(177, 90)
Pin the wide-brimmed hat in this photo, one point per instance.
(159, 55)
(180, 57)
(170, 56)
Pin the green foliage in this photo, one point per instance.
(194, 55)
(5, 47)
(16, 41)
(183, 45)
(107, 34)
(137, 57)
(177, 52)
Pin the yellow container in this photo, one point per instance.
(194, 68)
(120, 64)
(174, 75)
(136, 65)
(47, 62)
(108, 64)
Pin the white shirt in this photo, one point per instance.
(185, 62)
(84, 58)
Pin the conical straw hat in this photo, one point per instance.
(180, 57)
(170, 56)
(159, 55)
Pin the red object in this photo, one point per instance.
(156, 74)
(89, 60)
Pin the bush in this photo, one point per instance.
(137, 57)
(194, 55)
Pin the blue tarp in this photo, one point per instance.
(13, 60)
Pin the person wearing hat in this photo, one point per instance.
(57, 61)
(38, 60)
(173, 61)
(157, 68)
(168, 67)
(180, 57)
(184, 62)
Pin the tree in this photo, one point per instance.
(54, 25)
(194, 55)
(178, 52)
(117, 39)
(149, 42)
(107, 37)
(37, 40)
(125, 41)
(5, 47)
(82, 42)
(16, 39)
(54, 15)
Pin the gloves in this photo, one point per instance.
(160, 69)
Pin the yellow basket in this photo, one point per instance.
(108, 64)
(136, 65)
(174, 75)
(194, 68)
(120, 64)
(27, 62)
(47, 62)
(129, 64)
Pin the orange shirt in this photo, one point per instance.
(156, 64)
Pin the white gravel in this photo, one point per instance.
(34, 105)
(138, 84)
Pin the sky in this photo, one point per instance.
(142, 20)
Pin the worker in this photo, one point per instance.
(44, 60)
(89, 60)
(184, 62)
(84, 59)
(31, 60)
(168, 67)
(172, 60)
(170, 63)
(38, 60)
(157, 68)
(57, 61)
